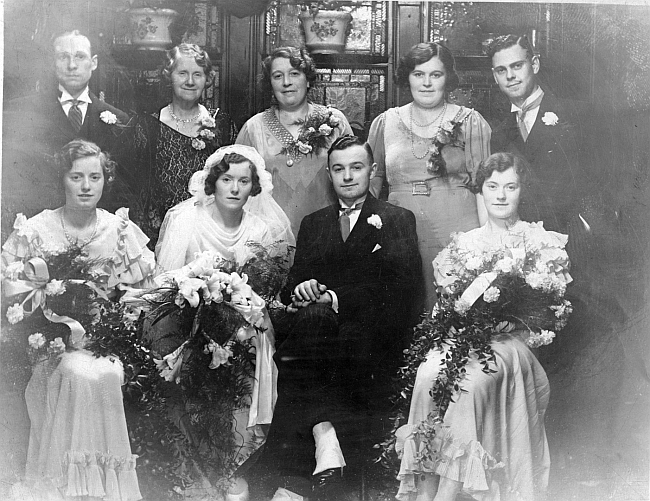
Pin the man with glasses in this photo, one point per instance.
(36, 127)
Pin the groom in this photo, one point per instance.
(355, 292)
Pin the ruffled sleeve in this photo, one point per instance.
(552, 249)
(23, 241)
(133, 262)
(477, 133)
(376, 142)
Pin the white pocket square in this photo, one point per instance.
(377, 247)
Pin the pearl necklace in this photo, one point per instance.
(183, 121)
(75, 241)
(440, 115)
(444, 108)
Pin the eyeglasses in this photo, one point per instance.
(79, 57)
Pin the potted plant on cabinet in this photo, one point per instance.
(150, 23)
(326, 24)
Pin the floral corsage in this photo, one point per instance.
(448, 134)
(207, 132)
(314, 134)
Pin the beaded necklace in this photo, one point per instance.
(75, 241)
(432, 139)
(183, 121)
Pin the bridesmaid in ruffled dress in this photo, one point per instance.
(79, 444)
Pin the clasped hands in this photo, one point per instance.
(308, 292)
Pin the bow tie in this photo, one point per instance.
(344, 219)
(349, 210)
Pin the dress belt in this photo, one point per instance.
(415, 187)
(425, 187)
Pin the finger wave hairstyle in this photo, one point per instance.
(298, 58)
(80, 148)
(200, 56)
(220, 168)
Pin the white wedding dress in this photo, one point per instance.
(189, 230)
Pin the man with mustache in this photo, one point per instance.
(36, 127)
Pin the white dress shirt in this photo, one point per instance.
(531, 115)
(83, 101)
(354, 217)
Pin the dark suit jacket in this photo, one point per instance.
(375, 270)
(35, 128)
(557, 157)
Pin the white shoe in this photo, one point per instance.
(283, 494)
(238, 491)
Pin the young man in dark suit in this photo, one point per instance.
(36, 127)
(544, 130)
(355, 291)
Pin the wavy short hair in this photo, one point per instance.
(346, 141)
(220, 168)
(506, 41)
(80, 148)
(420, 54)
(200, 56)
(299, 59)
(501, 162)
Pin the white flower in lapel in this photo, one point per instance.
(550, 118)
(108, 118)
(375, 220)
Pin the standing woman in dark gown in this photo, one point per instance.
(174, 143)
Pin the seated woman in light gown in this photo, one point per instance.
(231, 208)
(78, 442)
(491, 444)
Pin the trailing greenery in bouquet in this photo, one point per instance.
(486, 294)
(53, 299)
(191, 368)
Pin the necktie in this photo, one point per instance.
(521, 115)
(344, 220)
(74, 115)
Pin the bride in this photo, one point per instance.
(491, 444)
(231, 207)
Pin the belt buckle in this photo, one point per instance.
(420, 188)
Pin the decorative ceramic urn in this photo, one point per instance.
(150, 28)
(325, 32)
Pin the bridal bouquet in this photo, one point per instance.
(190, 368)
(487, 292)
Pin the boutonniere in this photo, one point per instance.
(108, 118)
(375, 221)
(206, 133)
(550, 119)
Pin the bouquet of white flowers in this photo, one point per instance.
(486, 291)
